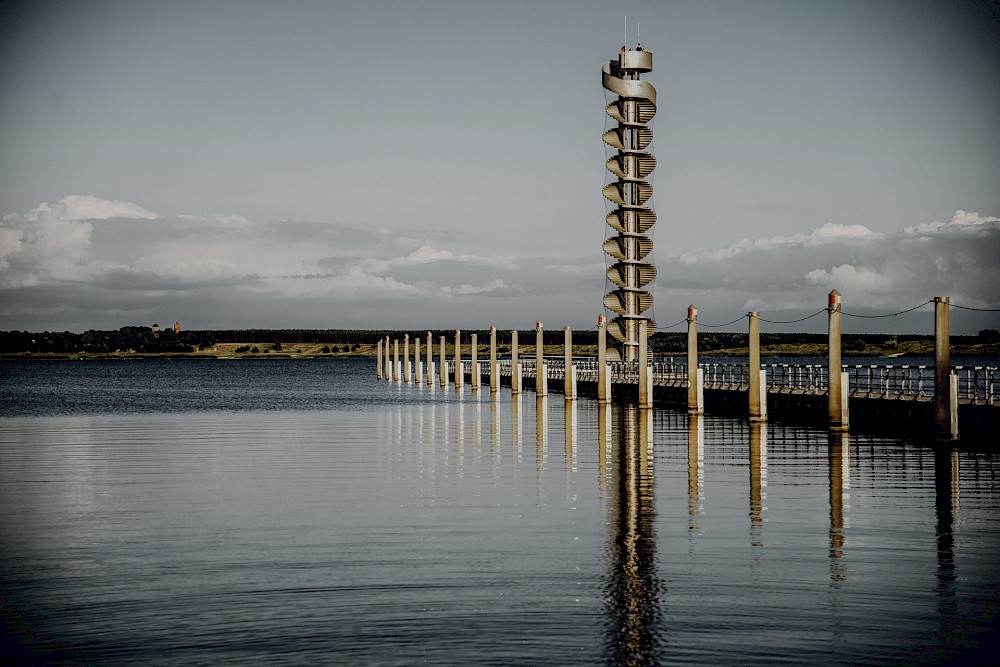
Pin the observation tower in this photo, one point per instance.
(628, 191)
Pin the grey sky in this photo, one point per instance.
(419, 164)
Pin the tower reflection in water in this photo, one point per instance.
(633, 590)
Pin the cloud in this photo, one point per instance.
(88, 207)
(465, 289)
(218, 270)
(830, 233)
(876, 273)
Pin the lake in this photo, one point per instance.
(283, 511)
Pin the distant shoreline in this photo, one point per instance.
(227, 351)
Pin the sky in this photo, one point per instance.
(414, 165)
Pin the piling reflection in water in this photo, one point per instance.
(840, 483)
(946, 492)
(569, 411)
(541, 431)
(696, 469)
(632, 595)
(758, 481)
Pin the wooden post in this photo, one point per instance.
(475, 362)
(541, 375)
(379, 357)
(757, 377)
(569, 370)
(945, 406)
(494, 371)
(443, 371)
(459, 375)
(406, 358)
(515, 364)
(838, 393)
(603, 377)
(645, 371)
(696, 379)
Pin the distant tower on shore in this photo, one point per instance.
(628, 191)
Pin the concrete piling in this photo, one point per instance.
(696, 377)
(541, 373)
(378, 356)
(443, 370)
(515, 364)
(459, 375)
(406, 358)
(603, 376)
(418, 368)
(645, 370)
(430, 360)
(388, 363)
(474, 355)
(569, 373)
(395, 360)
(838, 409)
(757, 377)
(494, 371)
(945, 382)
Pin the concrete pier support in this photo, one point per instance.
(603, 376)
(395, 361)
(945, 383)
(515, 364)
(757, 377)
(406, 359)
(430, 360)
(494, 371)
(645, 370)
(474, 355)
(378, 356)
(443, 370)
(696, 378)
(459, 375)
(569, 372)
(418, 368)
(541, 372)
(388, 361)
(838, 392)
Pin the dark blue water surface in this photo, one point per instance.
(301, 512)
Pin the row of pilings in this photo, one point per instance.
(391, 368)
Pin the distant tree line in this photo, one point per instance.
(144, 340)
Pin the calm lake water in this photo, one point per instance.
(302, 512)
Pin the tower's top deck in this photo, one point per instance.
(636, 60)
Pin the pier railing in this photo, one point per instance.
(977, 385)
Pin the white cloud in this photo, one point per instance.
(276, 270)
(961, 222)
(88, 207)
(851, 278)
(827, 234)
(876, 273)
(465, 289)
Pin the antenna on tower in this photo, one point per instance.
(625, 43)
